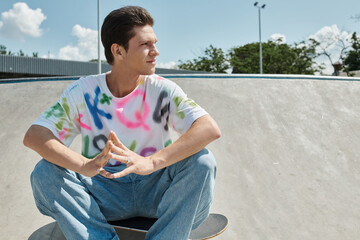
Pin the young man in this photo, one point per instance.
(129, 165)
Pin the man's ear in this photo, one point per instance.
(117, 51)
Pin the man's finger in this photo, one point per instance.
(123, 173)
(104, 160)
(106, 148)
(119, 158)
(116, 140)
(116, 149)
(104, 173)
(105, 154)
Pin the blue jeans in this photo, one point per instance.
(179, 196)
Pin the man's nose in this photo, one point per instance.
(154, 51)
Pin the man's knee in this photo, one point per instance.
(42, 172)
(46, 175)
(204, 161)
(199, 167)
(40, 179)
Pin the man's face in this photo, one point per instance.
(142, 52)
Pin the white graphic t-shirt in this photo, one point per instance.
(141, 120)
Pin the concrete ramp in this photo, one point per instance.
(288, 159)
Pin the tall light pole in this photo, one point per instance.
(260, 47)
(98, 21)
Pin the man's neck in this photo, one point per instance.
(120, 83)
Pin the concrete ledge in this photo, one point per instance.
(288, 158)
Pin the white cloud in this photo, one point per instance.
(332, 40)
(21, 21)
(277, 36)
(330, 37)
(86, 47)
(168, 65)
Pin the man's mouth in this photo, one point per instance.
(153, 61)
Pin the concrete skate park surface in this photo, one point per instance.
(288, 159)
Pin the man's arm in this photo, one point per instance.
(43, 141)
(202, 132)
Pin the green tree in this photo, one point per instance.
(21, 53)
(4, 52)
(245, 59)
(213, 61)
(2, 49)
(352, 59)
(278, 58)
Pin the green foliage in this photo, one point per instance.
(278, 58)
(352, 59)
(20, 53)
(245, 59)
(2, 50)
(213, 61)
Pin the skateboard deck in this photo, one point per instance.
(136, 228)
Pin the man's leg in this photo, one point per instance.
(182, 194)
(60, 194)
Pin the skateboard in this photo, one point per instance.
(136, 228)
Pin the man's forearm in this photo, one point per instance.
(202, 132)
(43, 141)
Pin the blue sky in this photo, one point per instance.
(67, 29)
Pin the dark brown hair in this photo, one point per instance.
(118, 27)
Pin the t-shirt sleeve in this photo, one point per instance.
(61, 118)
(184, 111)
